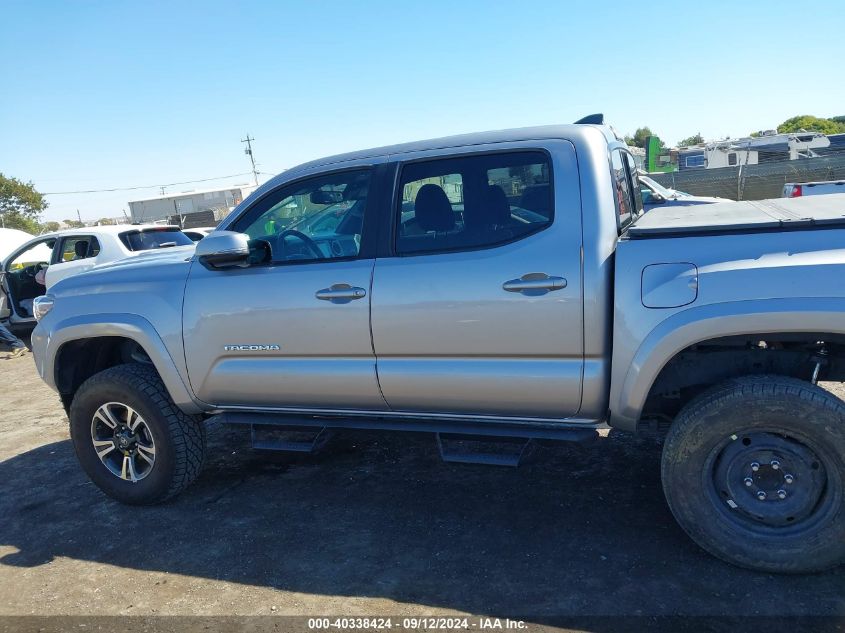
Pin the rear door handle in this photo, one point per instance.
(341, 293)
(534, 284)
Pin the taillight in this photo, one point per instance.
(796, 192)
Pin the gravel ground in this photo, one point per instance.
(372, 524)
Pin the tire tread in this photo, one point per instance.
(187, 432)
(686, 432)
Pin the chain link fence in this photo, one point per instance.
(753, 182)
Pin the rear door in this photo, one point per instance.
(293, 331)
(477, 309)
(73, 254)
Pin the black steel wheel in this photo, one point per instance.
(753, 471)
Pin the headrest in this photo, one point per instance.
(432, 209)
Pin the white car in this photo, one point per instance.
(198, 233)
(70, 252)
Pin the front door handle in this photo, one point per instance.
(534, 284)
(341, 293)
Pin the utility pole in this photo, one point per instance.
(78, 215)
(248, 152)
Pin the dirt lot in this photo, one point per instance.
(373, 524)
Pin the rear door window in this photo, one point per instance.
(473, 201)
(77, 247)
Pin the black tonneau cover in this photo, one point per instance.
(746, 216)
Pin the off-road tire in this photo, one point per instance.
(785, 410)
(179, 438)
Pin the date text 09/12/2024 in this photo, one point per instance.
(415, 623)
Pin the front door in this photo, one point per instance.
(292, 331)
(479, 310)
(20, 279)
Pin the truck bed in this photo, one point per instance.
(747, 216)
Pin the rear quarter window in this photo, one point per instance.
(625, 204)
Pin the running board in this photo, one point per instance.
(281, 438)
(579, 431)
(474, 449)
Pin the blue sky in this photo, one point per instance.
(118, 94)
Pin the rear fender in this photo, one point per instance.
(698, 324)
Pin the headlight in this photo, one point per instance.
(42, 305)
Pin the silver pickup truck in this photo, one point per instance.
(498, 286)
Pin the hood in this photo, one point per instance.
(156, 273)
(173, 254)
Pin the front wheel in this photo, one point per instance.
(753, 471)
(130, 438)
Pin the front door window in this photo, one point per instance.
(318, 218)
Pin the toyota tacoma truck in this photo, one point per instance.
(493, 287)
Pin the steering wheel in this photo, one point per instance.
(310, 244)
(34, 269)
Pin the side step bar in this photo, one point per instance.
(464, 441)
(572, 432)
(292, 439)
(473, 449)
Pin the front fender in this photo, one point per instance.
(47, 340)
(698, 324)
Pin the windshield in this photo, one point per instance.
(154, 238)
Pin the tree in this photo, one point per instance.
(74, 224)
(105, 222)
(809, 123)
(51, 227)
(639, 137)
(20, 205)
(696, 139)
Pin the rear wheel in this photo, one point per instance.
(130, 438)
(753, 471)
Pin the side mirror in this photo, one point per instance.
(223, 249)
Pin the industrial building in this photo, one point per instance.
(189, 208)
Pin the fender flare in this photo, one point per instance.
(129, 326)
(698, 324)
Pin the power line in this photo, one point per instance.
(170, 184)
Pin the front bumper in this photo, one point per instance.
(40, 339)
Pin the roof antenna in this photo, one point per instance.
(591, 119)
